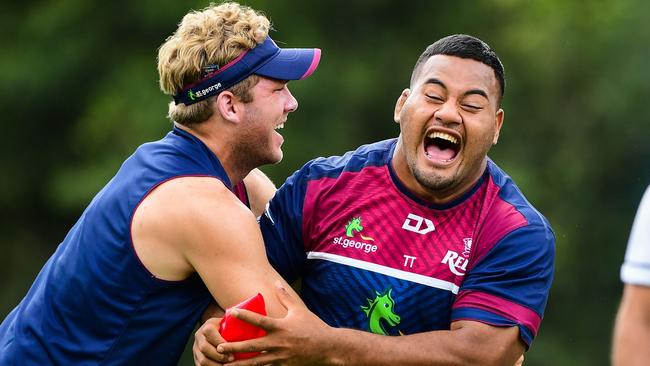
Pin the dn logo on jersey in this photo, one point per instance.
(414, 223)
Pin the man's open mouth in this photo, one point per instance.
(441, 147)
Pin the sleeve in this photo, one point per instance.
(281, 226)
(636, 267)
(509, 286)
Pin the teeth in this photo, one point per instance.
(280, 126)
(444, 136)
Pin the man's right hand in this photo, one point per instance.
(206, 340)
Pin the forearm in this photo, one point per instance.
(358, 348)
(456, 347)
(632, 331)
(631, 345)
(301, 338)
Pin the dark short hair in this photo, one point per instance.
(464, 46)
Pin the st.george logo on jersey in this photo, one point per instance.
(352, 228)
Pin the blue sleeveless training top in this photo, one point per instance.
(94, 303)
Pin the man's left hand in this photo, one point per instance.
(206, 340)
(296, 339)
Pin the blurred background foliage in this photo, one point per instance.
(78, 93)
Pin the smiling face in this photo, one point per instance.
(259, 140)
(448, 120)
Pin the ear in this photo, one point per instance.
(229, 106)
(400, 104)
(498, 123)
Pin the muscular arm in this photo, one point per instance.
(632, 329)
(196, 224)
(301, 338)
(467, 343)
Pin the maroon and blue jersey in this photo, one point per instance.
(94, 302)
(375, 257)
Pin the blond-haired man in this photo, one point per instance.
(169, 234)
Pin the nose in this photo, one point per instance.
(291, 104)
(448, 113)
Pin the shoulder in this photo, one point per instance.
(511, 202)
(196, 190)
(374, 154)
(185, 203)
(318, 173)
(182, 216)
(510, 220)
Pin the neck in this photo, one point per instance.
(440, 196)
(220, 143)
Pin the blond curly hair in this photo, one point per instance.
(214, 35)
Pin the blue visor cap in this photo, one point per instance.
(266, 59)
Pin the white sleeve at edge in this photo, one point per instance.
(636, 268)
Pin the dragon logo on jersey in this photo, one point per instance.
(380, 311)
(354, 226)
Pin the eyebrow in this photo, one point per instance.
(469, 92)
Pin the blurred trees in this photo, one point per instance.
(78, 92)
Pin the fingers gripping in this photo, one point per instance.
(198, 351)
(206, 340)
(261, 321)
(271, 346)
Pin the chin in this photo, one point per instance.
(276, 158)
(434, 180)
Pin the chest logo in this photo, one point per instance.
(380, 311)
(458, 262)
(350, 242)
(418, 224)
(354, 226)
